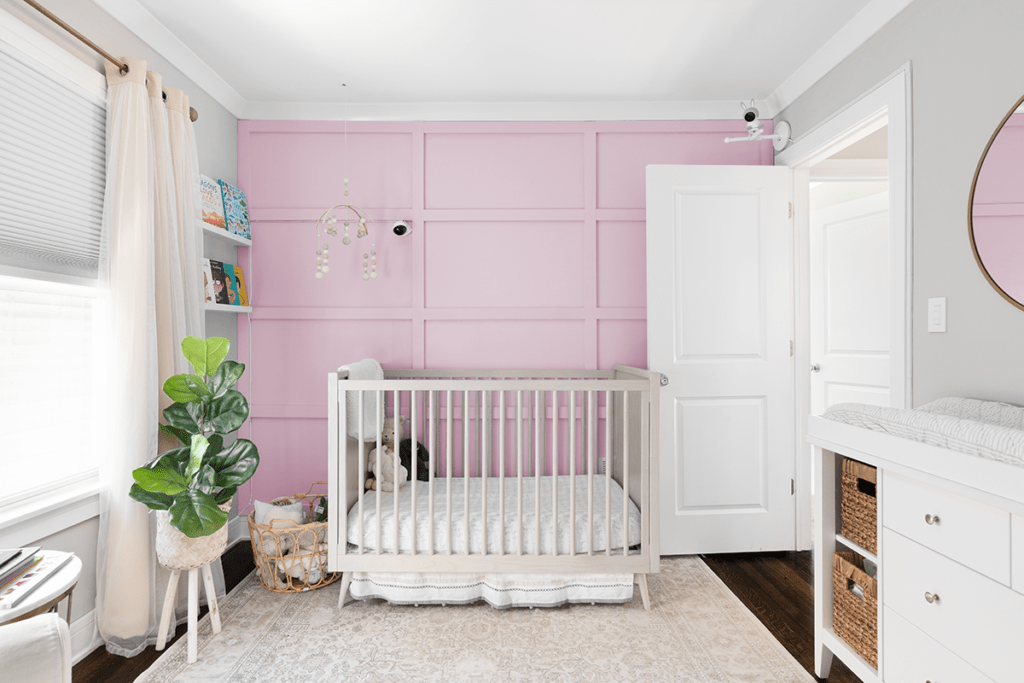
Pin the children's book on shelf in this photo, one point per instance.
(243, 298)
(229, 283)
(49, 563)
(212, 202)
(208, 281)
(220, 288)
(236, 211)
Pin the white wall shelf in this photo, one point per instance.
(228, 308)
(224, 235)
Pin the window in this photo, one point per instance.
(52, 177)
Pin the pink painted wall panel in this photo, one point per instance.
(307, 170)
(504, 265)
(1000, 242)
(504, 344)
(503, 170)
(621, 342)
(621, 264)
(622, 159)
(291, 358)
(1000, 177)
(293, 455)
(284, 265)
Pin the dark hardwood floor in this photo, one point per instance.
(776, 587)
(102, 667)
(779, 589)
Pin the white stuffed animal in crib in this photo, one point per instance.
(386, 478)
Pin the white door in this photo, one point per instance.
(720, 326)
(849, 293)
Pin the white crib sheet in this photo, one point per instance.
(493, 516)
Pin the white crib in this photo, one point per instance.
(527, 474)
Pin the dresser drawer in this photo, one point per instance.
(912, 656)
(1017, 551)
(975, 617)
(971, 533)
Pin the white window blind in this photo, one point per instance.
(52, 160)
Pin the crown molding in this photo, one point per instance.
(139, 21)
(855, 33)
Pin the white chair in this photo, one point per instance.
(37, 649)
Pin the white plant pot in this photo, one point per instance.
(175, 550)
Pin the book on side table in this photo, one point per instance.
(42, 566)
(14, 562)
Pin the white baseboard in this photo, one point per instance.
(85, 637)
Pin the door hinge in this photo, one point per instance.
(791, 209)
(792, 487)
(790, 348)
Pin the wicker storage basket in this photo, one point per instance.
(860, 504)
(292, 557)
(854, 617)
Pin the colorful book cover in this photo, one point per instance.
(50, 563)
(208, 281)
(220, 290)
(229, 282)
(243, 298)
(212, 202)
(236, 211)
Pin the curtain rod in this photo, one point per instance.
(192, 113)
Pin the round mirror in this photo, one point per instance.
(996, 219)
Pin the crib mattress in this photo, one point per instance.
(566, 486)
(987, 429)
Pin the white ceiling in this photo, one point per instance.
(557, 58)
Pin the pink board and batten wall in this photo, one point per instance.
(527, 251)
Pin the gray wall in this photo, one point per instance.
(966, 73)
(217, 139)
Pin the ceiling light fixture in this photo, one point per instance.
(755, 129)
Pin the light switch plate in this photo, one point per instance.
(937, 314)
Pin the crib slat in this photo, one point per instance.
(538, 466)
(432, 426)
(412, 461)
(608, 472)
(484, 443)
(397, 431)
(501, 473)
(591, 433)
(337, 473)
(448, 471)
(519, 472)
(625, 472)
(362, 468)
(465, 469)
(555, 419)
(376, 472)
(572, 470)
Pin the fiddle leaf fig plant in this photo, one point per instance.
(193, 480)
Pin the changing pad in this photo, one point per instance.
(987, 429)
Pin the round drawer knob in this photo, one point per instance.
(931, 519)
(931, 597)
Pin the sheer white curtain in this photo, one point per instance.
(150, 311)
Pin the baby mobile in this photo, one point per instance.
(327, 224)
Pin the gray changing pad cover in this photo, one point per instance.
(987, 429)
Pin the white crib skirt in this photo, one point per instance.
(498, 590)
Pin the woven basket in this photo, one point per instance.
(292, 557)
(175, 550)
(855, 618)
(860, 504)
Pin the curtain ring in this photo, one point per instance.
(193, 115)
(124, 70)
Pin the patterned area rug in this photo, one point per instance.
(697, 630)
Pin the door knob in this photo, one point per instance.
(815, 368)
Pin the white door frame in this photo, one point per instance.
(888, 103)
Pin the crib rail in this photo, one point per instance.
(510, 437)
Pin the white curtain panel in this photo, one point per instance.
(150, 310)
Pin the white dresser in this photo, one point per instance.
(950, 560)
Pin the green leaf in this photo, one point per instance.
(180, 434)
(155, 501)
(236, 464)
(196, 453)
(225, 495)
(216, 446)
(179, 417)
(178, 457)
(228, 412)
(163, 477)
(205, 354)
(227, 374)
(186, 388)
(206, 480)
(195, 514)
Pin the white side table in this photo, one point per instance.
(48, 595)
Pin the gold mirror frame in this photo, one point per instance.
(970, 207)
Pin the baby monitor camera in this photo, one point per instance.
(750, 113)
(401, 228)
